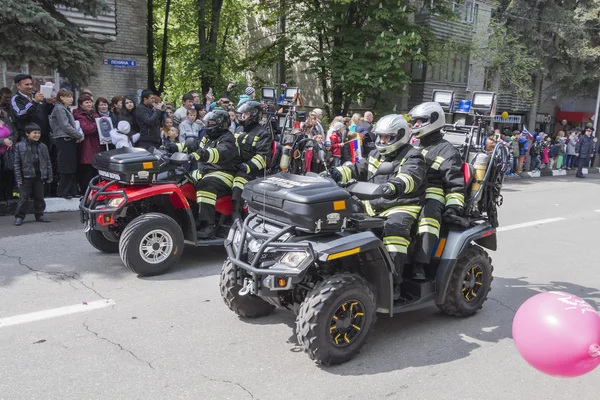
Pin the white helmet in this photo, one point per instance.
(396, 126)
(427, 118)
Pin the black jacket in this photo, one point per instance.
(444, 170)
(219, 154)
(26, 154)
(255, 148)
(149, 121)
(24, 111)
(408, 179)
(585, 146)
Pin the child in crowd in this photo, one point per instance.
(32, 168)
(172, 136)
(121, 136)
(189, 127)
(335, 138)
(546, 144)
(561, 151)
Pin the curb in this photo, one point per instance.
(556, 172)
(53, 205)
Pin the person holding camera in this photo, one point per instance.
(28, 106)
(149, 118)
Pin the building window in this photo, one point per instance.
(417, 71)
(454, 68)
(40, 74)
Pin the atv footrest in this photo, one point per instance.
(364, 222)
(418, 289)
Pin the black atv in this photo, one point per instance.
(307, 246)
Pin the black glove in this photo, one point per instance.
(453, 211)
(387, 190)
(335, 174)
(171, 148)
(197, 155)
(243, 167)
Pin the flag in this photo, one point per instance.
(526, 132)
(355, 150)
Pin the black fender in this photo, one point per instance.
(188, 224)
(456, 242)
(366, 256)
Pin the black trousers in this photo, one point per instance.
(397, 234)
(429, 228)
(67, 185)
(85, 173)
(32, 188)
(212, 186)
(582, 163)
(239, 181)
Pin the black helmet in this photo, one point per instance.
(253, 109)
(216, 123)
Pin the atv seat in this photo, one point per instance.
(224, 205)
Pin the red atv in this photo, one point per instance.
(143, 206)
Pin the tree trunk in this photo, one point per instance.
(201, 7)
(323, 75)
(336, 102)
(163, 61)
(282, 23)
(537, 92)
(150, 45)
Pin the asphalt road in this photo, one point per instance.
(171, 337)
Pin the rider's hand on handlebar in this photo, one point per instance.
(387, 190)
(335, 174)
(243, 167)
(453, 211)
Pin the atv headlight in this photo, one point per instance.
(293, 258)
(115, 203)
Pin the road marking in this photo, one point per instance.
(528, 224)
(596, 210)
(55, 312)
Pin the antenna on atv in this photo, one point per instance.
(264, 201)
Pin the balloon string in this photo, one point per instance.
(594, 350)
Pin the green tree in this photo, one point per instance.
(358, 49)
(33, 31)
(202, 48)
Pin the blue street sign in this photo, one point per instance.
(119, 63)
(464, 106)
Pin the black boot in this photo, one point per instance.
(418, 272)
(207, 232)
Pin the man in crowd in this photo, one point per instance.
(584, 150)
(27, 107)
(319, 127)
(149, 118)
(364, 129)
(181, 112)
(250, 95)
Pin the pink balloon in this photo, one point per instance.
(558, 334)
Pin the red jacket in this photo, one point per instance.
(91, 144)
(336, 146)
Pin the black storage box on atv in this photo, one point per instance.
(127, 165)
(311, 204)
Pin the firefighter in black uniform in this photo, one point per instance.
(217, 157)
(255, 145)
(404, 190)
(445, 193)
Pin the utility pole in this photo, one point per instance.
(596, 113)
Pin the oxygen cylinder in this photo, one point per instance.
(284, 163)
(480, 164)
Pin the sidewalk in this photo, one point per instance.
(53, 205)
(556, 172)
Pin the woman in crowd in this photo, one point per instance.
(90, 146)
(354, 122)
(7, 139)
(102, 108)
(115, 109)
(128, 114)
(66, 137)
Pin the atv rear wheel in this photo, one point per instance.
(102, 241)
(470, 283)
(249, 305)
(336, 318)
(151, 244)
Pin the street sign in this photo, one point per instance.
(119, 63)
(464, 106)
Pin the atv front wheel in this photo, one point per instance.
(249, 305)
(470, 283)
(102, 241)
(151, 244)
(336, 318)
